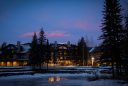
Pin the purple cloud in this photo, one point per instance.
(54, 34)
(57, 34)
(77, 24)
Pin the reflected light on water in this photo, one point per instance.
(54, 79)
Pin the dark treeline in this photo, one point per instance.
(115, 38)
(42, 51)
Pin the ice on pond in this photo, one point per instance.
(56, 80)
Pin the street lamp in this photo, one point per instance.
(92, 60)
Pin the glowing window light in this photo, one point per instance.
(25, 63)
(15, 63)
(9, 64)
(2, 64)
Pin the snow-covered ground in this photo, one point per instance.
(57, 80)
(62, 79)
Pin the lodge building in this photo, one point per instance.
(19, 54)
(14, 55)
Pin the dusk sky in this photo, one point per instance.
(62, 20)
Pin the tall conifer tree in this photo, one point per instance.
(34, 51)
(82, 51)
(42, 47)
(112, 32)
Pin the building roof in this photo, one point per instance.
(95, 50)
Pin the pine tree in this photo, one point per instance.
(124, 47)
(42, 47)
(126, 43)
(55, 53)
(42, 38)
(48, 52)
(34, 51)
(82, 51)
(3, 49)
(112, 32)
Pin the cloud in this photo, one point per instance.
(76, 24)
(81, 25)
(28, 34)
(57, 34)
(53, 34)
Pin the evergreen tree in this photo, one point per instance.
(4, 51)
(124, 47)
(82, 51)
(74, 53)
(55, 53)
(42, 38)
(34, 51)
(42, 47)
(69, 50)
(112, 32)
(48, 52)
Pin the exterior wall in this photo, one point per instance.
(62, 55)
(59, 53)
(13, 63)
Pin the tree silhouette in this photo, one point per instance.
(112, 33)
(124, 47)
(42, 47)
(48, 53)
(3, 50)
(82, 51)
(34, 51)
(55, 53)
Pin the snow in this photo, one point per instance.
(68, 69)
(26, 48)
(6, 67)
(44, 75)
(61, 79)
(57, 80)
(92, 49)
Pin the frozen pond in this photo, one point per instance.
(57, 80)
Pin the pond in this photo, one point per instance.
(56, 80)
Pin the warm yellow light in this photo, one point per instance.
(54, 79)
(68, 62)
(51, 79)
(92, 60)
(8, 63)
(51, 64)
(25, 63)
(15, 63)
(58, 79)
(2, 63)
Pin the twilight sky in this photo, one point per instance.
(62, 20)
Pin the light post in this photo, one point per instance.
(92, 59)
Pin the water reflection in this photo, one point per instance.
(54, 79)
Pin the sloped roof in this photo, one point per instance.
(95, 49)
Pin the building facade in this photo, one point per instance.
(14, 55)
(60, 54)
